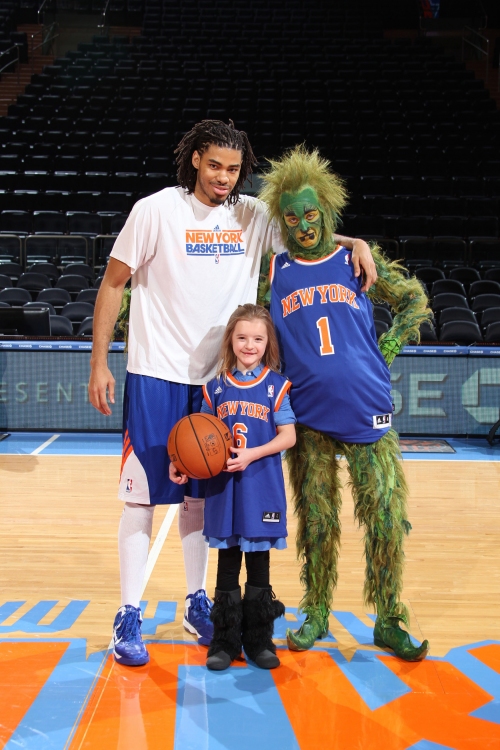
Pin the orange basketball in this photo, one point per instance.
(198, 446)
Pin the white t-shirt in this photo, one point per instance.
(192, 265)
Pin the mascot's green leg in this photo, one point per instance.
(379, 490)
(314, 479)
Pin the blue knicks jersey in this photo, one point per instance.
(341, 382)
(248, 503)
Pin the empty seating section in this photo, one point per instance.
(414, 134)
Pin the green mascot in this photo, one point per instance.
(340, 395)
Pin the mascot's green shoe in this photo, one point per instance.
(314, 627)
(387, 633)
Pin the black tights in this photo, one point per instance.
(229, 566)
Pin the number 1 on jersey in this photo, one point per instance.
(324, 337)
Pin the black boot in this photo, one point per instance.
(226, 616)
(260, 610)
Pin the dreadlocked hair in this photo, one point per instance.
(297, 169)
(213, 133)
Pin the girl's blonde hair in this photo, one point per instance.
(249, 312)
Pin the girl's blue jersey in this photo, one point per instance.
(249, 503)
(341, 382)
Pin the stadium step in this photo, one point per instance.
(13, 84)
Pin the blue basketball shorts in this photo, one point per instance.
(151, 407)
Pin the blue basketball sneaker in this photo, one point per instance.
(127, 640)
(197, 617)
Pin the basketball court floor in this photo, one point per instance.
(59, 686)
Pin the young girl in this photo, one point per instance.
(245, 508)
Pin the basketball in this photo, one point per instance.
(199, 446)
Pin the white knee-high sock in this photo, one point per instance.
(194, 546)
(134, 536)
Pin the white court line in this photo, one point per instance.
(44, 445)
(155, 552)
(158, 544)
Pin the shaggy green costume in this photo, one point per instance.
(306, 199)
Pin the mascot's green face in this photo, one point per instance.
(303, 217)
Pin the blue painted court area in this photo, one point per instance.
(110, 444)
(475, 449)
(62, 444)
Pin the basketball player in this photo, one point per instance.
(193, 253)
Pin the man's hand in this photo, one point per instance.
(362, 261)
(176, 476)
(101, 384)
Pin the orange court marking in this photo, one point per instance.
(442, 716)
(26, 666)
(333, 715)
(489, 655)
(136, 707)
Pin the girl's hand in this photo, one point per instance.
(176, 476)
(243, 459)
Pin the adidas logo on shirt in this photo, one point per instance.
(218, 390)
(286, 265)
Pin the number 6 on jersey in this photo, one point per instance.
(239, 439)
(324, 337)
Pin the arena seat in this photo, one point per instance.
(465, 275)
(484, 286)
(57, 297)
(461, 332)
(5, 281)
(86, 327)
(60, 326)
(448, 285)
(492, 333)
(448, 299)
(79, 268)
(490, 315)
(41, 306)
(87, 295)
(483, 301)
(15, 296)
(450, 314)
(76, 312)
(33, 282)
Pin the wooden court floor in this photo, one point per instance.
(60, 591)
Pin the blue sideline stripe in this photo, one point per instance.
(85, 444)
(23, 443)
(475, 449)
(370, 677)
(240, 708)
(50, 720)
(428, 745)
(29, 622)
(482, 675)
(110, 444)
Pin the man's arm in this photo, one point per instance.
(362, 259)
(102, 382)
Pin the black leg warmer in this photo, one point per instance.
(260, 610)
(226, 616)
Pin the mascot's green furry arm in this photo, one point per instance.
(306, 199)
